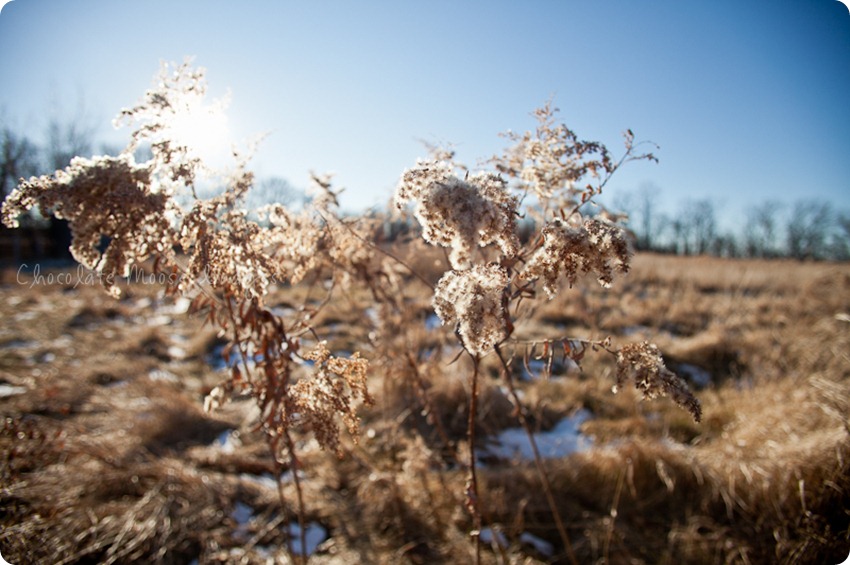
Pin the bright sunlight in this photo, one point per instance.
(203, 129)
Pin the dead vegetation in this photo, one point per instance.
(489, 427)
(108, 456)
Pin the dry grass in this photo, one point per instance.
(107, 456)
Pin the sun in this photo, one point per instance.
(203, 129)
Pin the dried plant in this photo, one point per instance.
(123, 213)
(472, 301)
(548, 164)
(587, 248)
(460, 214)
(643, 363)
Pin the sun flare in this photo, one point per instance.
(203, 129)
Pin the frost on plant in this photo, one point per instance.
(460, 214)
(473, 301)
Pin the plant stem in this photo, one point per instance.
(538, 461)
(472, 484)
(290, 447)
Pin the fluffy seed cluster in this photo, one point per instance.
(551, 160)
(473, 302)
(295, 240)
(177, 89)
(460, 214)
(642, 362)
(596, 246)
(331, 389)
(105, 200)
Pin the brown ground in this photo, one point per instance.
(107, 456)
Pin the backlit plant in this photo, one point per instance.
(123, 212)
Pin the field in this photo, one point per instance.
(107, 455)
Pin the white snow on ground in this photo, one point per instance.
(10, 390)
(162, 375)
(314, 533)
(267, 480)
(242, 513)
(217, 361)
(562, 440)
(488, 536)
(491, 537)
(432, 322)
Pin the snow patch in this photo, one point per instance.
(242, 513)
(488, 536)
(227, 441)
(562, 440)
(162, 375)
(433, 322)
(11, 390)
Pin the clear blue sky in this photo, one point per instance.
(748, 100)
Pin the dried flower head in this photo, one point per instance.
(330, 390)
(473, 301)
(596, 246)
(550, 160)
(461, 214)
(177, 97)
(642, 362)
(105, 200)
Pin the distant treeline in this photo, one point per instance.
(807, 229)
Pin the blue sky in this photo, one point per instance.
(748, 100)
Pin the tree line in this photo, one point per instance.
(21, 157)
(804, 230)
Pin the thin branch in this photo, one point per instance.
(538, 460)
(472, 501)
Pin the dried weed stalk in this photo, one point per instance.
(123, 212)
(543, 169)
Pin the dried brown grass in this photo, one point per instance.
(105, 463)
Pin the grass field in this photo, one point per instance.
(107, 456)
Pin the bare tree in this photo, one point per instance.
(761, 237)
(644, 220)
(808, 228)
(647, 197)
(841, 238)
(275, 190)
(66, 140)
(695, 227)
(19, 158)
